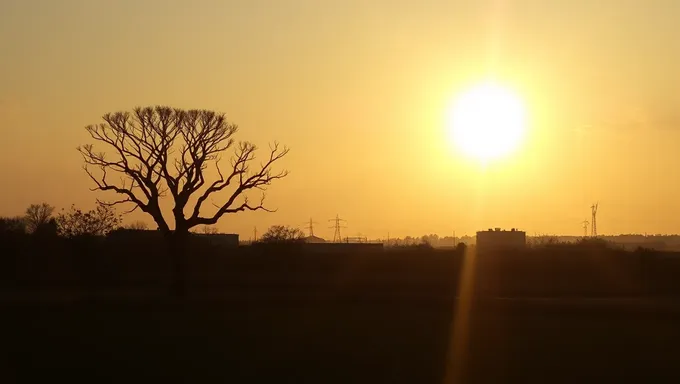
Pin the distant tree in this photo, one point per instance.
(209, 230)
(13, 225)
(50, 229)
(37, 215)
(156, 150)
(282, 234)
(136, 226)
(96, 222)
(432, 240)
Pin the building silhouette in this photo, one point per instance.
(497, 239)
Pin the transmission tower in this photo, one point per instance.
(310, 226)
(593, 220)
(338, 224)
(585, 228)
(254, 234)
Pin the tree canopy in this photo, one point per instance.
(156, 151)
(282, 234)
(38, 215)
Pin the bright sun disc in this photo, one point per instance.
(487, 122)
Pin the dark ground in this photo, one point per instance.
(340, 342)
(382, 318)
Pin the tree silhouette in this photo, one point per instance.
(136, 226)
(282, 234)
(48, 230)
(38, 215)
(13, 225)
(157, 150)
(209, 230)
(97, 222)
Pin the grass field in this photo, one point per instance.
(562, 315)
(348, 341)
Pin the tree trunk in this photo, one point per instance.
(177, 243)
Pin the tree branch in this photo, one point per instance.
(258, 180)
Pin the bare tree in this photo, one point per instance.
(137, 225)
(96, 222)
(209, 230)
(38, 215)
(160, 150)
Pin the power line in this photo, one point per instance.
(336, 236)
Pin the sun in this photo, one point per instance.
(487, 122)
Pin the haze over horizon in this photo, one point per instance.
(359, 91)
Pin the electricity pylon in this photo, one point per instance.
(585, 228)
(338, 224)
(593, 220)
(310, 226)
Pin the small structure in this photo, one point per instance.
(497, 239)
(219, 239)
(313, 240)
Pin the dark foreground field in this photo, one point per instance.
(341, 342)
(540, 317)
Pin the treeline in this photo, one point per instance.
(625, 241)
(590, 267)
(137, 262)
(121, 263)
(39, 219)
(432, 240)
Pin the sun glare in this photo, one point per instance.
(487, 122)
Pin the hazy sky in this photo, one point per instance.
(358, 90)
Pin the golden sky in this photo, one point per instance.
(358, 90)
